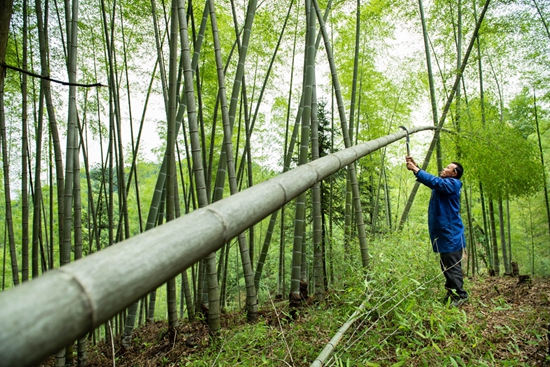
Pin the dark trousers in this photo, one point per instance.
(451, 266)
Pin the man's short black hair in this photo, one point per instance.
(459, 169)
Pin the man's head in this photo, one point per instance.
(454, 169)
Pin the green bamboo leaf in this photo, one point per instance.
(398, 364)
(453, 361)
(421, 335)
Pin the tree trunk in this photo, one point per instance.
(443, 117)
(496, 261)
(273, 219)
(77, 207)
(24, 158)
(431, 81)
(502, 228)
(5, 18)
(71, 149)
(296, 296)
(251, 298)
(7, 195)
(54, 134)
(170, 152)
(37, 202)
(365, 257)
(318, 269)
(545, 180)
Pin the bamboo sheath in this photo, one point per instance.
(42, 316)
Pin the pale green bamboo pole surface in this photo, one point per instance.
(329, 347)
(84, 294)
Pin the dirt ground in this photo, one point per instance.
(153, 344)
(513, 314)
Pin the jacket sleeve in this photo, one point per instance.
(447, 185)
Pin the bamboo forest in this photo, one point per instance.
(238, 182)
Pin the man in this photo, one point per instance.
(445, 224)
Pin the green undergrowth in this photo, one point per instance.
(403, 323)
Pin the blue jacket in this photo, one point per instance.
(444, 221)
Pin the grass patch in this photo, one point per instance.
(403, 323)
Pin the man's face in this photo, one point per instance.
(449, 171)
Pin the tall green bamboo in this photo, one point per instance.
(318, 259)
(271, 226)
(24, 157)
(430, 81)
(544, 23)
(492, 227)
(236, 90)
(348, 231)
(298, 254)
(133, 175)
(443, 117)
(486, 229)
(186, 102)
(37, 200)
(349, 190)
(161, 181)
(502, 228)
(251, 297)
(7, 195)
(155, 202)
(509, 234)
(5, 18)
(247, 153)
(458, 39)
(71, 147)
(357, 37)
(539, 141)
(53, 130)
(77, 203)
(228, 118)
(170, 150)
(185, 289)
(94, 234)
(50, 201)
(71, 150)
(493, 234)
(77, 210)
(198, 169)
(365, 257)
(472, 245)
(287, 152)
(116, 121)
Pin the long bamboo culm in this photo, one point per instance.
(82, 295)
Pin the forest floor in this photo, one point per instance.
(501, 305)
(512, 317)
